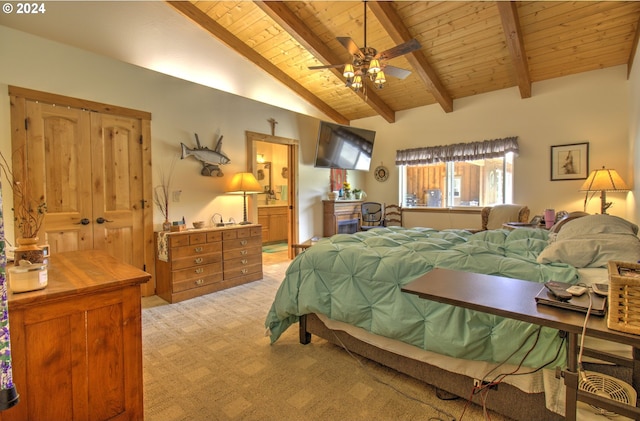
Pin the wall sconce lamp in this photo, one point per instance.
(603, 180)
(244, 183)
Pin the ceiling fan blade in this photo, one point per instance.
(400, 49)
(351, 46)
(396, 72)
(328, 66)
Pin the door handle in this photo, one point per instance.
(84, 221)
(101, 220)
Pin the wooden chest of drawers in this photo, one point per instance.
(203, 261)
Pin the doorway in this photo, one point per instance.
(274, 162)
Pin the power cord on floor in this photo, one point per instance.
(448, 416)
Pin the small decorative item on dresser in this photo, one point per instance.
(198, 224)
(624, 297)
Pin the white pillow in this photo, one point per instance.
(591, 241)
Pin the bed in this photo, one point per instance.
(346, 289)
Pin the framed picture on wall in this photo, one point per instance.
(570, 162)
(336, 178)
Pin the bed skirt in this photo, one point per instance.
(507, 400)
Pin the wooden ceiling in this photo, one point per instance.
(467, 47)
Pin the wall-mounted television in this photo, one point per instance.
(344, 147)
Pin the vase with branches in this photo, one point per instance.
(28, 215)
(161, 195)
(29, 212)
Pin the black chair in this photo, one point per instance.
(371, 215)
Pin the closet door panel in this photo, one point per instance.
(58, 166)
(117, 188)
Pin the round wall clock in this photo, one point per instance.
(381, 173)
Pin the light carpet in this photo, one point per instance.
(208, 359)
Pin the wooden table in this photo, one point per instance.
(514, 299)
(77, 344)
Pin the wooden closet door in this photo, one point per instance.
(89, 160)
(88, 165)
(58, 165)
(117, 212)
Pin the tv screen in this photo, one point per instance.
(344, 147)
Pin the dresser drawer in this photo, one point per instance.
(242, 243)
(197, 272)
(190, 261)
(196, 282)
(195, 250)
(242, 252)
(242, 270)
(242, 233)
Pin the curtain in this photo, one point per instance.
(495, 148)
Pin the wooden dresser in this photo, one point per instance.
(197, 262)
(76, 345)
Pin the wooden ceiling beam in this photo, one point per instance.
(298, 30)
(515, 44)
(395, 27)
(199, 17)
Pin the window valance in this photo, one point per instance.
(458, 152)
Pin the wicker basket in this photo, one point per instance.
(624, 297)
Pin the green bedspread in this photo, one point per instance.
(357, 278)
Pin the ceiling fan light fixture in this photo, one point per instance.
(348, 71)
(357, 82)
(380, 79)
(374, 66)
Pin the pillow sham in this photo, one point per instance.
(593, 240)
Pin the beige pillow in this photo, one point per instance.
(592, 241)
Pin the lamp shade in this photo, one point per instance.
(604, 180)
(244, 182)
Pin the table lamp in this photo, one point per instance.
(603, 180)
(243, 183)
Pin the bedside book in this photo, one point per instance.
(576, 303)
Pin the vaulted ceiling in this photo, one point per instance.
(467, 47)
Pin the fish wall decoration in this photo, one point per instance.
(211, 158)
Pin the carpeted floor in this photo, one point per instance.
(208, 359)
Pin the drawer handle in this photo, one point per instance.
(200, 270)
(243, 242)
(243, 252)
(198, 260)
(199, 282)
(244, 261)
(244, 271)
(198, 249)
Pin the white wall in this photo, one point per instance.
(633, 175)
(590, 107)
(179, 109)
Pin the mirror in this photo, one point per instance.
(264, 176)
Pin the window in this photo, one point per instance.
(471, 174)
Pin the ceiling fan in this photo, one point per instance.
(368, 62)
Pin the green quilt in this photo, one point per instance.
(356, 278)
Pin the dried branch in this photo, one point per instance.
(161, 192)
(28, 213)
